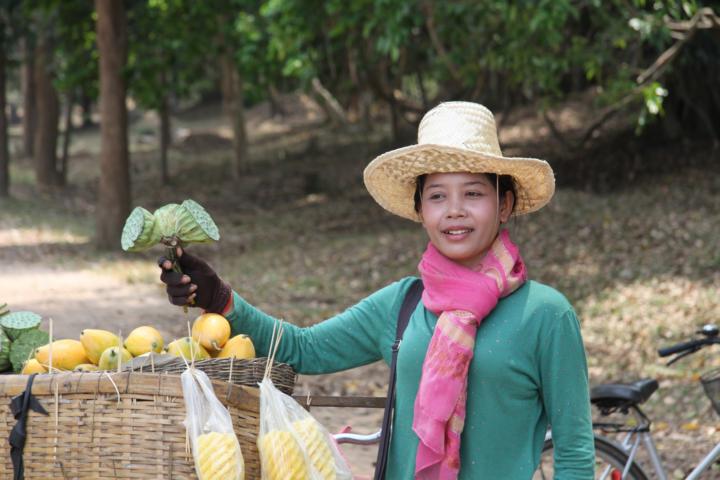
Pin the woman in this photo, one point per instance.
(488, 359)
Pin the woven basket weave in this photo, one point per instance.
(94, 431)
(240, 372)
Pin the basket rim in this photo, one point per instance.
(127, 383)
(711, 375)
(239, 363)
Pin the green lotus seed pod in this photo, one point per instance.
(16, 323)
(167, 219)
(140, 231)
(200, 227)
(171, 224)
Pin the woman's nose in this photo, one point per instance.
(456, 208)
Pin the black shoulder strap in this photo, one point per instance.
(412, 297)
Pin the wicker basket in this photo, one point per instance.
(125, 425)
(711, 383)
(239, 372)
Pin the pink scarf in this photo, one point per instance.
(463, 298)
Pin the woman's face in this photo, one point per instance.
(460, 213)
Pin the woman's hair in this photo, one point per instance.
(504, 183)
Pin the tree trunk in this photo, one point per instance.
(276, 107)
(48, 112)
(27, 81)
(114, 189)
(232, 91)
(4, 150)
(423, 91)
(240, 142)
(164, 113)
(67, 136)
(394, 121)
(86, 106)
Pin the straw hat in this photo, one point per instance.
(455, 137)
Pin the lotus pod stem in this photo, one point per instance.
(172, 256)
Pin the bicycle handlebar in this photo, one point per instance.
(357, 439)
(680, 347)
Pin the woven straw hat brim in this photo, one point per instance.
(390, 178)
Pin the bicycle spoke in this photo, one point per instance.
(607, 471)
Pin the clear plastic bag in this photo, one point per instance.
(215, 447)
(292, 444)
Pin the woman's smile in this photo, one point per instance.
(456, 234)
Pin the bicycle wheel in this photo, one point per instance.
(610, 462)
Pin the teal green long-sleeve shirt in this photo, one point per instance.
(528, 371)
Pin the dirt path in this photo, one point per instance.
(77, 299)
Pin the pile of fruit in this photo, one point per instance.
(26, 348)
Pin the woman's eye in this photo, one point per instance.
(474, 194)
(435, 196)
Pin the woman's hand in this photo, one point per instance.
(197, 286)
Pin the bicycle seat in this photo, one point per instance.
(619, 395)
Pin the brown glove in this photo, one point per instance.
(198, 282)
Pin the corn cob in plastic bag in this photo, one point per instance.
(292, 444)
(215, 447)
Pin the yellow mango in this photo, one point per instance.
(32, 366)
(219, 457)
(143, 340)
(281, 456)
(211, 330)
(239, 346)
(187, 348)
(97, 341)
(109, 358)
(66, 354)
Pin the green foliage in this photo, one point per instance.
(654, 95)
(165, 58)
(76, 50)
(492, 51)
(481, 49)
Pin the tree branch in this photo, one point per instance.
(705, 18)
(606, 115)
(329, 103)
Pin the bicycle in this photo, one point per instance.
(615, 460)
